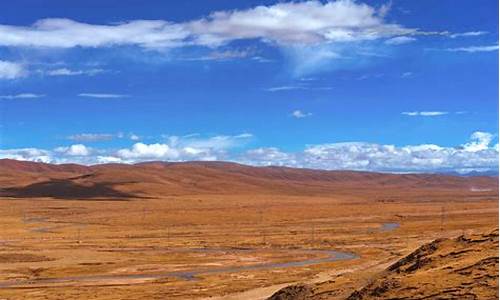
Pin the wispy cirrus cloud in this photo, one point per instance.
(103, 95)
(224, 55)
(424, 113)
(474, 49)
(285, 88)
(71, 72)
(468, 34)
(22, 96)
(100, 137)
(91, 137)
(400, 40)
(282, 88)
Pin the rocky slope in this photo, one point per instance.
(465, 267)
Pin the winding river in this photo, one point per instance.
(194, 274)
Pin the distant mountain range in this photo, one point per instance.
(20, 179)
(474, 173)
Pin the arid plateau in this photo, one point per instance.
(213, 230)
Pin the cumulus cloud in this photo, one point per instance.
(22, 96)
(424, 113)
(182, 148)
(11, 70)
(29, 154)
(151, 151)
(478, 154)
(479, 141)
(134, 137)
(268, 157)
(298, 114)
(74, 150)
(102, 95)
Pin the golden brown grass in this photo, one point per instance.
(109, 249)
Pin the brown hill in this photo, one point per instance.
(151, 179)
(461, 268)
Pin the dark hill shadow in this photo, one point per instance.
(67, 189)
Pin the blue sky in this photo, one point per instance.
(403, 86)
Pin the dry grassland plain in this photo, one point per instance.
(222, 246)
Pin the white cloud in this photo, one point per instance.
(29, 154)
(300, 114)
(91, 137)
(474, 49)
(479, 154)
(267, 157)
(424, 113)
(108, 160)
(399, 40)
(285, 88)
(11, 70)
(22, 96)
(309, 22)
(298, 87)
(217, 143)
(99, 137)
(182, 148)
(407, 74)
(480, 141)
(102, 95)
(468, 34)
(69, 72)
(151, 151)
(370, 76)
(227, 55)
(65, 33)
(314, 35)
(74, 150)
(134, 137)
